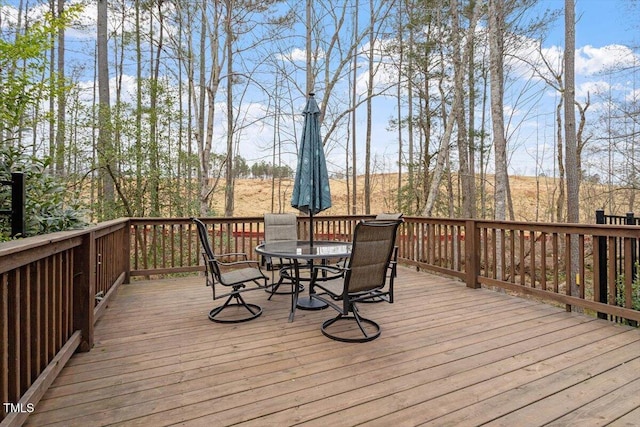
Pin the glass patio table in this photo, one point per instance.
(305, 253)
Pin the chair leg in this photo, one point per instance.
(359, 320)
(274, 289)
(377, 296)
(254, 310)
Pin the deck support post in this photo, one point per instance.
(472, 253)
(84, 289)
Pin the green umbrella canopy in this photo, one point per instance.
(311, 193)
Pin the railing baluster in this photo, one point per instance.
(543, 261)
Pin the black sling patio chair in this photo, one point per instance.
(235, 277)
(365, 278)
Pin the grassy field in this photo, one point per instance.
(533, 199)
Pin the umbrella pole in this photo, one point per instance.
(311, 227)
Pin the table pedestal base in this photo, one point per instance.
(308, 303)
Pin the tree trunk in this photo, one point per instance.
(443, 150)
(62, 100)
(471, 82)
(154, 147)
(573, 182)
(104, 149)
(496, 58)
(561, 169)
(367, 164)
(399, 107)
(411, 172)
(229, 184)
(354, 164)
(309, 27)
(205, 108)
(496, 69)
(464, 176)
(139, 155)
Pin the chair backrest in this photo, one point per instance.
(389, 216)
(209, 258)
(280, 227)
(371, 252)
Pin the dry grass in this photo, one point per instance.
(253, 196)
(533, 198)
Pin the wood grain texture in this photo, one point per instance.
(448, 355)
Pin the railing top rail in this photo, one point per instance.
(567, 228)
(35, 242)
(239, 219)
(571, 228)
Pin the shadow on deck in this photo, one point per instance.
(448, 355)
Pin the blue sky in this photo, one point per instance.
(605, 31)
(601, 23)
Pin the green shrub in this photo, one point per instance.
(49, 205)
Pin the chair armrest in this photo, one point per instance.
(329, 272)
(248, 263)
(242, 255)
(244, 261)
(336, 270)
(316, 281)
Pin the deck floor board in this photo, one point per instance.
(448, 355)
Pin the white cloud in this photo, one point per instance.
(295, 55)
(82, 27)
(592, 60)
(633, 96)
(591, 88)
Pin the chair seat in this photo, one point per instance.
(333, 287)
(242, 275)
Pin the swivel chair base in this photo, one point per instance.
(254, 310)
(361, 322)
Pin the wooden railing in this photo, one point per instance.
(533, 259)
(53, 288)
(170, 245)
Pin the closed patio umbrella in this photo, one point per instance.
(311, 193)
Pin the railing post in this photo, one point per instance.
(602, 263)
(17, 204)
(127, 244)
(17, 212)
(630, 220)
(84, 289)
(472, 253)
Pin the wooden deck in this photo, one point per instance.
(448, 355)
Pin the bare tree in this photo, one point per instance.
(573, 184)
(105, 150)
(228, 45)
(354, 84)
(496, 66)
(400, 6)
(573, 181)
(367, 150)
(455, 118)
(204, 96)
(462, 57)
(61, 94)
